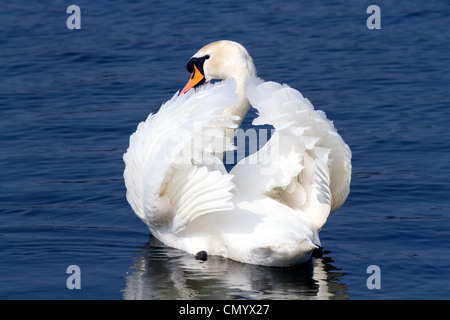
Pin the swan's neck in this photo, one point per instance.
(240, 109)
(246, 70)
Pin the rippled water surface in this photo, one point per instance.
(70, 99)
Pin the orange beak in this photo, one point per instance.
(195, 79)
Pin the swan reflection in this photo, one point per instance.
(161, 272)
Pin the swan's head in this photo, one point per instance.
(219, 61)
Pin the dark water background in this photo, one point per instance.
(70, 99)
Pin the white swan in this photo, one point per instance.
(269, 208)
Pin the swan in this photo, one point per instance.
(269, 208)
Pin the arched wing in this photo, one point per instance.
(306, 164)
(171, 172)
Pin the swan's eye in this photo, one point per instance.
(207, 57)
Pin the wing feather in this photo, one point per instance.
(306, 164)
(172, 175)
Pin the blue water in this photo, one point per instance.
(70, 99)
